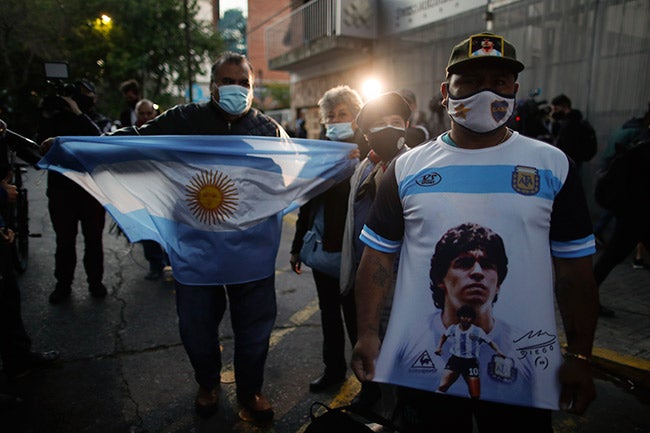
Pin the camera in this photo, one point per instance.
(56, 75)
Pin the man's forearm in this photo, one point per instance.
(373, 283)
(577, 296)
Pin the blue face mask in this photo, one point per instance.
(339, 131)
(234, 99)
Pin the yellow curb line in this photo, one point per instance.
(626, 360)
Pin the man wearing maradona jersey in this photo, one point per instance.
(523, 189)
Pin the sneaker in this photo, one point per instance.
(61, 293)
(639, 264)
(257, 406)
(169, 274)
(207, 401)
(97, 290)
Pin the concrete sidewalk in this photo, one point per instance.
(622, 343)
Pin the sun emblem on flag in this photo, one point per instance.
(211, 196)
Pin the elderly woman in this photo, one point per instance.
(325, 215)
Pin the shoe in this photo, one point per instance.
(207, 401)
(33, 360)
(169, 274)
(605, 312)
(97, 290)
(327, 380)
(639, 264)
(61, 293)
(154, 274)
(257, 406)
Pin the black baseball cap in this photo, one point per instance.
(383, 105)
(484, 47)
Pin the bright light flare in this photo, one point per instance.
(371, 88)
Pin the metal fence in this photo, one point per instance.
(310, 22)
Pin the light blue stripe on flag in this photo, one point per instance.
(213, 202)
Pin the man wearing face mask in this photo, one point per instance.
(384, 122)
(525, 190)
(68, 203)
(252, 304)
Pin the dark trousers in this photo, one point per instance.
(331, 304)
(424, 412)
(15, 344)
(69, 207)
(252, 314)
(155, 255)
(628, 231)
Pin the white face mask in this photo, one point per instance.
(481, 112)
(234, 99)
(339, 131)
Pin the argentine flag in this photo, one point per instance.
(215, 203)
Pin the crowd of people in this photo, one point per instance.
(413, 248)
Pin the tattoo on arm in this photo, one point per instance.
(381, 276)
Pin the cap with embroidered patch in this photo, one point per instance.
(484, 47)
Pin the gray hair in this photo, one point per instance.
(339, 95)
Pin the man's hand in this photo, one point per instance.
(363, 357)
(12, 191)
(45, 145)
(72, 104)
(354, 153)
(577, 383)
(7, 235)
(295, 263)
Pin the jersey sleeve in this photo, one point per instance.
(571, 231)
(384, 227)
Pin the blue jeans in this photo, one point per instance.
(252, 314)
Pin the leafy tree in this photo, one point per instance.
(233, 30)
(144, 40)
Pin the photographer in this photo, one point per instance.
(15, 345)
(69, 204)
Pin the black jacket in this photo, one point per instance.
(205, 119)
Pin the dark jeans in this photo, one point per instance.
(15, 344)
(252, 314)
(424, 412)
(330, 303)
(628, 231)
(155, 255)
(68, 207)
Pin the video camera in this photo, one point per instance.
(56, 76)
(530, 116)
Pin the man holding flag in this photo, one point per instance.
(216, 205)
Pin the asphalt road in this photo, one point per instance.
(123, 368)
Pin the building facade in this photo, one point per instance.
(597, 52)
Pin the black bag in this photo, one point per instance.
(623, 184)
(340, 419)
(588, 144)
